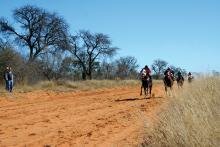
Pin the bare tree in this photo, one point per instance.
(126, 67)
(39, 30)
(178, 69)
(9, 57)
(88, 48)
(106, 70)
(50, 64)
(158, 67)
(70, 69)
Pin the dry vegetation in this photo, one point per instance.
(76, 85)
(191, 118)
(85, 85)
(73, 85)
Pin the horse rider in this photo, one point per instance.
(146, 79)
(189, 74)
(180, 76)
(169, 73)
(190, 77)
(146, 73)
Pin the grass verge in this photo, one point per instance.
(191, 118)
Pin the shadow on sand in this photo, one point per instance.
(136, 99)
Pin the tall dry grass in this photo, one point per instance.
(85, 85)
(73, 85)
(191, 118)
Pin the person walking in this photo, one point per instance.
(9, 79)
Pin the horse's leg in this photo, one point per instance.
(145, 91)
(147, 88)
(167, 91)
(165, 86)
(141, 90)
(172, 92)
(150, 88)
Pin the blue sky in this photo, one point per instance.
(185, 33)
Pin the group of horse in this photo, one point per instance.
(167, 80)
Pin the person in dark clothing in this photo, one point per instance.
(168, 70)
(146, 72)
(9, 79)
(179, 76)
(146, 80)
(169, 73)
(180, 80)
(6, 78)
(190, 77)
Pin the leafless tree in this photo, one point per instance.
(70, 69)
(106, 70)
(88, 48)
(50, 64)
(178, 69)
(158, 67)
(126, 67)
(9, 57)
(39, 30)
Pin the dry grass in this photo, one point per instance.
(86, 85)
(74, 85)
(191, 118)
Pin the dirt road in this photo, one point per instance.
(105, 117)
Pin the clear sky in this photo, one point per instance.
(185, 33)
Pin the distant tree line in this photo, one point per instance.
(42, 48)
(159, 66)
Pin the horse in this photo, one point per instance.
(146, 85)
(180, 81)
(190, 78)
(168, 82)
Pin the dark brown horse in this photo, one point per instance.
(146, 85)
(180, 81)
(168, 82)
(190, 78)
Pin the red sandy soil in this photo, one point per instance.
(103, 117)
